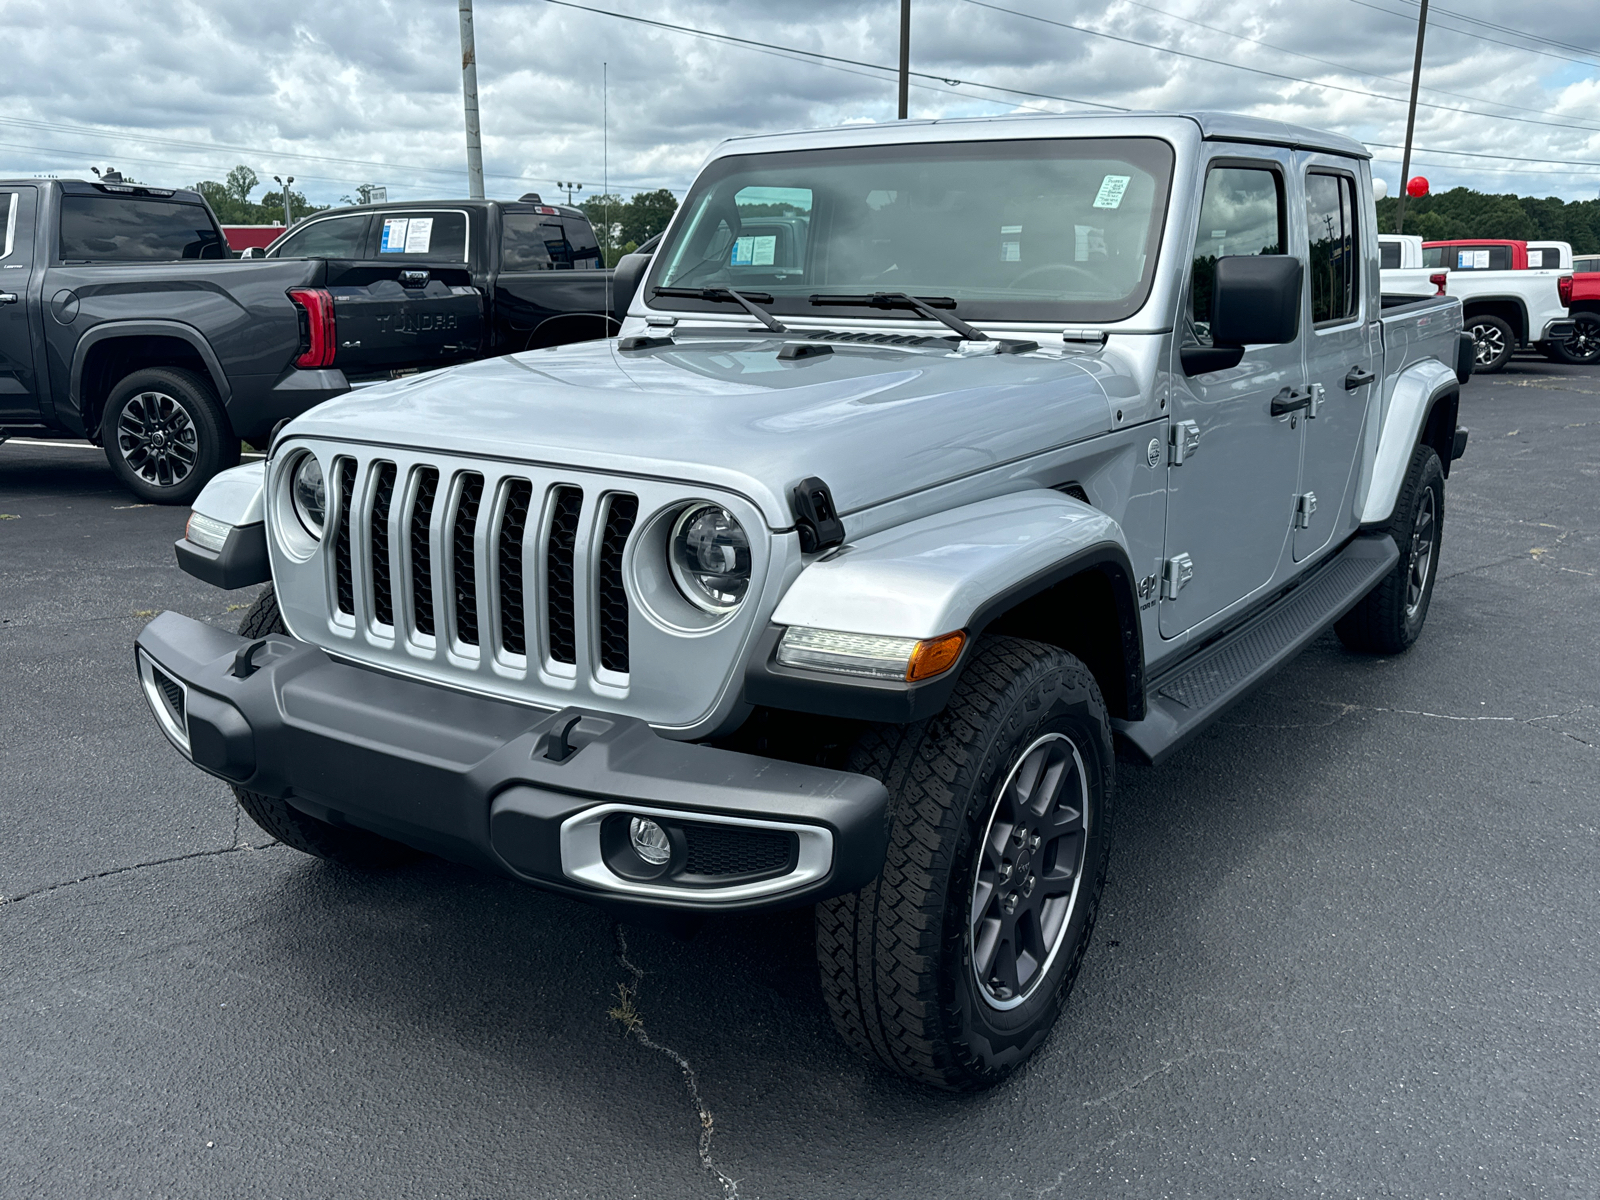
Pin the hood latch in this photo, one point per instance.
(816, 520)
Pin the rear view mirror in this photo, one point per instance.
(1255, 300)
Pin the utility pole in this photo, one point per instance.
(905, 56)
(469, 92)
(1411, 122)
(288, 214)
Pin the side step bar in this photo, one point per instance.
(1186, 699)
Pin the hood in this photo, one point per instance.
(874, 422)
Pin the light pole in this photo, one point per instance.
(1411, 121)
(469, 95)
(569, 188)
(288, 215)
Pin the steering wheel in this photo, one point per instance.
(1057, 266)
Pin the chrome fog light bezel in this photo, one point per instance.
(173, 724)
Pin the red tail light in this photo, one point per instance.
(318, 343)
(1439, 280)
(1564, 286)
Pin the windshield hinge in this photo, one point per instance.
(1086, 337)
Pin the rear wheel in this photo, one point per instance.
(165, 434)
(1492, 344)
(1583, 347)
(1390, 617)
(953, 965)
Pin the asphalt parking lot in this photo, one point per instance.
(1348, 946)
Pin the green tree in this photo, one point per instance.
(1464, 213)
(241, 182)
(647, 214)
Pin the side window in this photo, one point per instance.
(1241, 213)
(1434, 256)
(585, 249)
(8, 223)
(1331, 239)
(422, 237)
(530, 242)
(111, 229)
(336, 237)
(1478, 258)
(1389, 256)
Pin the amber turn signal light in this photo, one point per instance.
(935, 656)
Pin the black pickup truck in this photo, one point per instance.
(124, 320)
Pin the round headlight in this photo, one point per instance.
(309, 494)
(710, 558)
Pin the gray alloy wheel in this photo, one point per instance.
(1419, 566)
(1029, 870)
(157, 439)
(1492, 344)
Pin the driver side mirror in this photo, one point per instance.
(252, 252)
(1255, 300)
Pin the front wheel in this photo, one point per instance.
(1583, 347)
(1492, 344)
(953, 965)
(165, 434)
(1389, 618)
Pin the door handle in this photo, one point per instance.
(8, 297)
(1289, 400)
(1358, 377)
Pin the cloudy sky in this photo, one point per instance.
(343, 92)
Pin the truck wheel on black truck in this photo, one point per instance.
(932, 458)
(123, 320)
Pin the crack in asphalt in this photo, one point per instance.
(155, 862)
(627, 1015)
(1164, 1069)
(1346, 709)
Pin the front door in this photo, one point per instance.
(1343, 351)
(1230, 501)
(18, 389)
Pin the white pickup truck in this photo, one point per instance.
(1506, 304)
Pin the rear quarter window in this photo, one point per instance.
(422, 236)
(335, 237)
(123, 229)
(1389, 256)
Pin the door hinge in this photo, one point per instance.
(1184, 440)
(1175, 572)
(1304, 506)
(1318, 394)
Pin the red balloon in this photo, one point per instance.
(1417, 187)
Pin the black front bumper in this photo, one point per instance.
(484, 782)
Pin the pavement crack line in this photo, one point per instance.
(1345, 709)
(155, 862)
(626, 1013)
(1165, 1068)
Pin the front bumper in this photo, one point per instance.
(520, 791)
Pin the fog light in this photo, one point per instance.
(203, 531)
(649, 841)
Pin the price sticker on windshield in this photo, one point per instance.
(1112, 189)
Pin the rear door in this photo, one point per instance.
(1229, 501)
(1344, 347)
(18, 390)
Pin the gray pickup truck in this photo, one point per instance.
(123, 320)
(933, 459)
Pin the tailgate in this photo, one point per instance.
(391, 317)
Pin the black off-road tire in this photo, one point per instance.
(1583, 348)
(896, 957)
(341, 844)
(1389, 618)
(263, 617)
(165, 435)
(336, 843)
(1493, 344)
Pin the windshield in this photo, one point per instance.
(1041, 230)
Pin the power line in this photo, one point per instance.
(1260, 70)
(1532, 37)
(1395, 162)
(1471, 33)
(1566, 162)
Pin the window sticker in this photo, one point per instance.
(419, 236)
(1472, 260)
(1011, 243)
(394, 235)
(1112, 189)
(754, 251)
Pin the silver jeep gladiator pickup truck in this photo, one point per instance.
(932, 459)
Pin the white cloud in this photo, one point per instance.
(340, 92)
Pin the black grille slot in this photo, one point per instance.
(344, 473)
(722, 850)
(172, 691)
(421, 554)
(1075, 490)
(613, 597)
(463, 565)
(382, 591)
(513, 623)
(560, 602)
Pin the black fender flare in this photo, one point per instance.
(113, 330)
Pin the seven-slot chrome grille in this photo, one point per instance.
(515, 580)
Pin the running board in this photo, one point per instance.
(1186, 699)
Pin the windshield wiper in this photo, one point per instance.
(923, 305)
(726, 295)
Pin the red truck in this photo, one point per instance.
(1579, 284)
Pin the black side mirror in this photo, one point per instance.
(1255, 300)
(628, 275)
